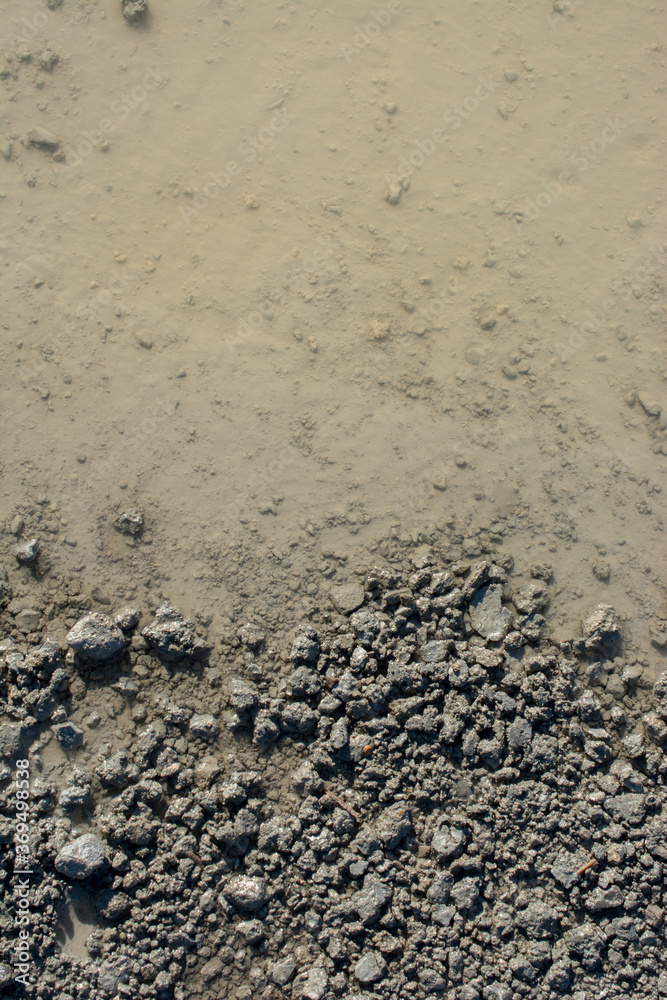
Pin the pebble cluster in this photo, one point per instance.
(470, 810)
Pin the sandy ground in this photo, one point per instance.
(301, 283)
(323, 360)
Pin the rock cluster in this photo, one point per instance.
(431, 799)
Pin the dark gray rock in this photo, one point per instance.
(68, 735)
(393, 825)
(173, 636)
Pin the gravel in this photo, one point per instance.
(416, 795)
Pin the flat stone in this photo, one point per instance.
(604, 899)
(82, 858)
(38, 136)
(282, 972)
(488, 616)
(630, 808)
(347, 598)
(370, 968)
(96, 638)
(27, 620)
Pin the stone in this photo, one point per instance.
(538, 920)
(465, 893)
(27, 552)
(96, 638)
(347, 597)
(134, 10)
(604, 899)
(393, 825)
(27, 620)
(602, 628)
(488, 616)
(127, 617)
(113, 906)
(282, 971)
(369, 901)
(129, 522)
(173, 636)
(316, 984)
(630, 808)
(81, 858)
(10, 741)
(204, 727)
(246, 892)
(38, 136)
(68, 735)
(370, 968)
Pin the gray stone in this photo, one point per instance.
(204, 727)
(306, 780)
(173, 636)
(602, 628)
(630, 808)
(538, 920)
(369, 901)
(393, 825)
(465, 893)
(282, 972)
(370, 968)
(316, 984)
(127, 617)
(96, 638)
(134, 10)
(68, 735)
(27, 620)
(243, 694)
(129, 522)
(10, 741)
(26, 552)
(38, 136)
(447, 840)
(82, 858)
(519, 734)
(347, 598)
(246, 892)
(113, 906)
(604, 899)
(488, 616)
